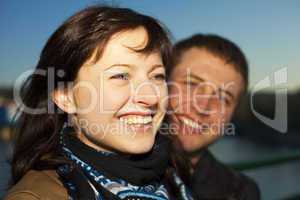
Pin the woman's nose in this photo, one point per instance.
(146, 94)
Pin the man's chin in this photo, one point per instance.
(192, 143)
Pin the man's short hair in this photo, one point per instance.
(218, 46)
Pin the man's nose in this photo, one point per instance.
(146, 94)
(205, 101)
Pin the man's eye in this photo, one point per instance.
(190, 83)
(123, 76)
(225, 99)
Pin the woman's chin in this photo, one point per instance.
(139, 145)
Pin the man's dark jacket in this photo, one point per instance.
(214, 180)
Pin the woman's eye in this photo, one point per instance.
(123, 76)
(160, 77)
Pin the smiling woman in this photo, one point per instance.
(109, 97)
(121, 108)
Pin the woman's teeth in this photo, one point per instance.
(191, 123)
(136, 119)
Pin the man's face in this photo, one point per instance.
(204, 92)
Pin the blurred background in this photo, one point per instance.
(267, 144)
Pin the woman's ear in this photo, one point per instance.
(64, 100)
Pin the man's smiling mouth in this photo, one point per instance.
(191, 123)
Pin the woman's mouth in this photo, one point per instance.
(136, 119)
(137, 123)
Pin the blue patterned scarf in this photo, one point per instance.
(85, 178)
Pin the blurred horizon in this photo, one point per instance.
(268, 32)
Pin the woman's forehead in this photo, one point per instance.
(123, 45)
(134, 39)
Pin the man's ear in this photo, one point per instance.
(64, 100)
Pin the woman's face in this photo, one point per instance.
(121, 99)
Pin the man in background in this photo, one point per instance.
(209, 77)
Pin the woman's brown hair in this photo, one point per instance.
(37, 134)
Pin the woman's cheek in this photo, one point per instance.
(85, 99)
(114, 97)
(164, 98)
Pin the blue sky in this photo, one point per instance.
(267, 31)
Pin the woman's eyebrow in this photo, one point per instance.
(153, 67)
(119, 65)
